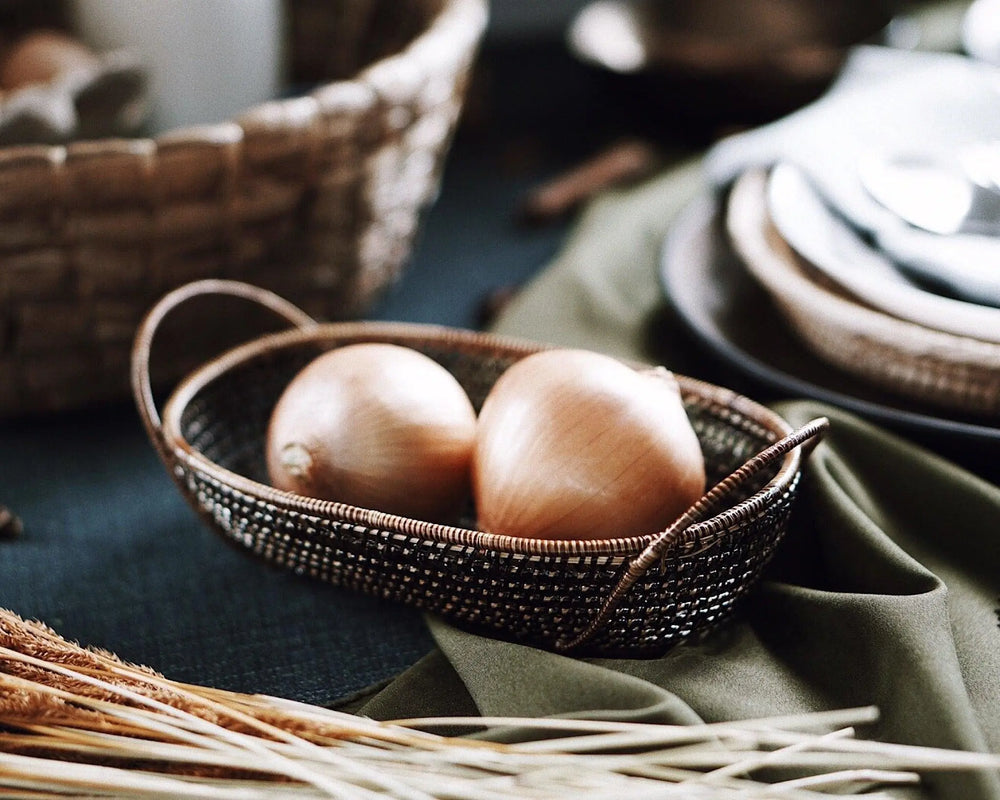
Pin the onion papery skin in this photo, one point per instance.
(378, 426)
(573, 444)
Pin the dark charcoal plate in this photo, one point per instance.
(718, 303)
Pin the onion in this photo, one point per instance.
(576, 445)
(375, 425)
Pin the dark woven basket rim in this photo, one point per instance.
(697, 536)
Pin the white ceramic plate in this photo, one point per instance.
(835, 250)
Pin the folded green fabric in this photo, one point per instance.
(883, 592)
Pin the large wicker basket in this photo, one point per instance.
(636, 596)
(316, 196)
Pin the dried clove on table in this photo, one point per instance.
(10, 524)
(493, 303)
(620, 164)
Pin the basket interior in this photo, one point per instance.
(226, 419)
(335, 39)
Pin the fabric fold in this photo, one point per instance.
(867, 621)
(512, 679)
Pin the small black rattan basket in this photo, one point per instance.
(628, 597)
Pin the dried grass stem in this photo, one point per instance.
(77, 721)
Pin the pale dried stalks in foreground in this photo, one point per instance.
(77, 722)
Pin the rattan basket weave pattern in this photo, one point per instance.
(541, 592)
(317, 197)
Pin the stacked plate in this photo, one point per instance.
(867, 321)
(786, 291)
(850, 251)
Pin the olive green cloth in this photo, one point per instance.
(884, 591)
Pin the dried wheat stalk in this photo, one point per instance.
(76, 721)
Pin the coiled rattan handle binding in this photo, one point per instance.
(142, 389)
(807, 434)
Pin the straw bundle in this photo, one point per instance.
(77, 721)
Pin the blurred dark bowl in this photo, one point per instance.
(697, 66)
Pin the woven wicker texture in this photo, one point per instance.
(923, 364)
(536, 591)
(318, 197)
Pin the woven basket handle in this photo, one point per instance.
(809, 433)
(142, 389)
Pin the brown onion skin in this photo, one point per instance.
(576, 445)
(379, 426)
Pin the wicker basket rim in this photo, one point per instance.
(177, 447)
(459, 21)
(775, 265)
